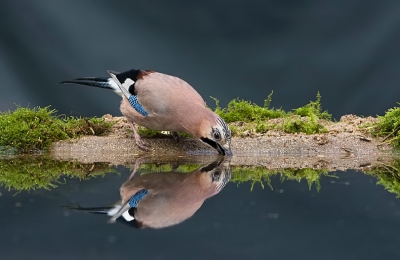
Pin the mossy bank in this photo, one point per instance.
(306, 128)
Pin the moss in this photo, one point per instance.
(298, 124)
(313, 110)
(388, 126)
(36, 129)
(37, 172)
(149, 133)
(246, 111)
(305, 119)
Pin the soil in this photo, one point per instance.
(344, 146)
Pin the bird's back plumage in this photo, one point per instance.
(168, 101)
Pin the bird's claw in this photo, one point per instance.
(139, 142)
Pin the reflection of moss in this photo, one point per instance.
(262, 175)
(25, 173)
(310, 175)
(38, 172)
(251, 174)
(388, 176)
(28, 129)
(254, 118)
(167, 167)
(388, 126)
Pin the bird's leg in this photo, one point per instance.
(176, 136)
(138, 162)
(139, 142)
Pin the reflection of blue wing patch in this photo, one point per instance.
(138, 107)
(134, 200)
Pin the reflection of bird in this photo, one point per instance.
(164, 199)
(163, 102)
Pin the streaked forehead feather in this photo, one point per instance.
(225, 128)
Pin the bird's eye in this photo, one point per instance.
(217, 135)
(216, 175)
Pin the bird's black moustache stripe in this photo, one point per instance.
(211, 166)
(214, 145)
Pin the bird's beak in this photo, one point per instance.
(113, 76)
(224, 151)
(229, 152)
(221, 150)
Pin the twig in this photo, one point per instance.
(394, 131)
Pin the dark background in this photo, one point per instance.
(347, 50)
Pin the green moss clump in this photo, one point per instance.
(33, 172)
(313, 110)
(298, 124)
(148, 133)
(246, 111)
(388, 126)
(35, 129)
(304, 119)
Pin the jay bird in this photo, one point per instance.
(163, 102)
(163, 199)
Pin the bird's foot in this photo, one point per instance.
(139, 142)
(142, 144)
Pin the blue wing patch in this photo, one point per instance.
(138, 107)
(134, 200)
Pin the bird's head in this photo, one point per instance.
(217, 174)
(218, 135)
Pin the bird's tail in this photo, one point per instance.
(98, 82)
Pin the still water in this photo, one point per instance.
(238, 212)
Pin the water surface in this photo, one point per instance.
(342, 215)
